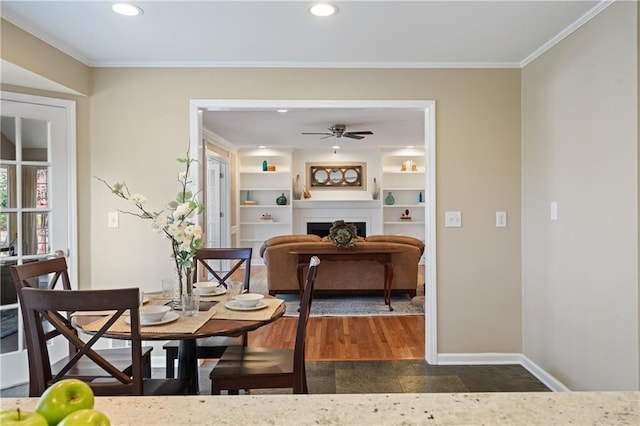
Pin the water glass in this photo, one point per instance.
(234, 288)
(169, 288)
(190, 304)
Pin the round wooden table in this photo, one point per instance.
(187, 358)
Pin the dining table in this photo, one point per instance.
(213, 319)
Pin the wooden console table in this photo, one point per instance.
(345, 255)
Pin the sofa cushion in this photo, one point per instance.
(401, 239)
(285, 239)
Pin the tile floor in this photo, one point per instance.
(401, 376)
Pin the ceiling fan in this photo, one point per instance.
(339, 131)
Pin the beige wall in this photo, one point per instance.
(580, 149)
(28, 52)
(140, 122)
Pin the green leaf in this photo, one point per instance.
(173, 205)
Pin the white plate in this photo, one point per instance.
(217, 292)
(232, 304)
(167, 318)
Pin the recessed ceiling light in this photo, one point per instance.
(262, 146)
(282, 110)
(411, 146)
(336, 147)
(126, 9)
(322, 9)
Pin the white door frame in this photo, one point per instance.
(196, 107)
(70, 218)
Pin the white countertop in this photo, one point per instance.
(543, 408)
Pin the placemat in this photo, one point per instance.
(181, 325)
(257, 315)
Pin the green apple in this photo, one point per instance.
(63, 398)
(85, 417)
(16, 416)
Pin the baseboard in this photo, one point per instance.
(542, 375)
(503, 359)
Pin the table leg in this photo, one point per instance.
(300, 273)
(188, 364)
(388, 279)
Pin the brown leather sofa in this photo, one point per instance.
(361, 276)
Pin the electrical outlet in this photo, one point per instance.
(501, 219)
(112, 220)
(452, 219)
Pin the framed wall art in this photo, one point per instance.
(337, 175)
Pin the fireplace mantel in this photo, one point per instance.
(339, 204)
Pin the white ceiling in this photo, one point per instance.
(418, 33)
(390, 127)
(282, 33)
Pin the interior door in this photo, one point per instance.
(36, 195)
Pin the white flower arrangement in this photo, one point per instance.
(177, 223)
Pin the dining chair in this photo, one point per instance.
(247, 367)
(53, 274)
(209, 260)
(44, 307)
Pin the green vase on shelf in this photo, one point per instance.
(389, 200)
(281, 200)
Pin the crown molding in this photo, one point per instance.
(567, 31)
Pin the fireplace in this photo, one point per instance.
(322, 228)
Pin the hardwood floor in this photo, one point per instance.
(347, 338)
(350, 338)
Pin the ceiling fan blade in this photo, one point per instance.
(328, 136)
(364, 132)
(352, 136)
(325, 133)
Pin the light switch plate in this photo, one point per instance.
(452, 219)
(501, 219)
(112, 220)
(553, 211)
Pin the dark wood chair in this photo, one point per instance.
(214, 347)
(54, 273)
(43, 306)
(246, 367)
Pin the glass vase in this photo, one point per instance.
(389, 200)
(375, 192)
(297, 188)
(188, 301)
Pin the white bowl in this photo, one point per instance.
(153, 313)
(248, 300)
(205, 287)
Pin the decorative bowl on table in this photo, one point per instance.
(205, 287)
(153, 313)
(248, 300)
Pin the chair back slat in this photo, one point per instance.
(299, 370)
(239, 257)
(39, 304)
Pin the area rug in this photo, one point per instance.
(344, 305)
(331, 306)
